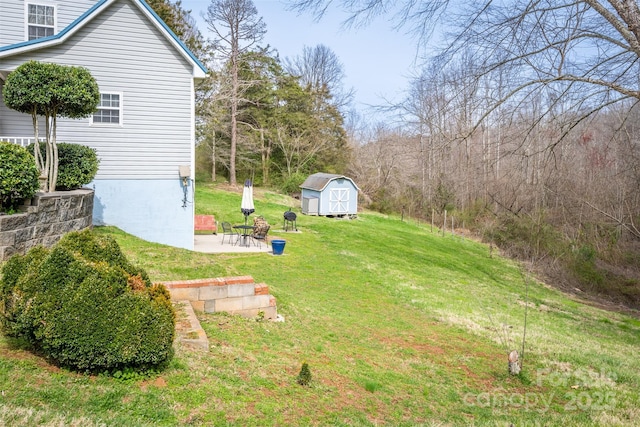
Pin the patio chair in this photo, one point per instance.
(227, 230)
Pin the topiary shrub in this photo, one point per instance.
(84, 306)
(77, 165)
(18, 176)
(51, 91)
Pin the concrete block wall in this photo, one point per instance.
(233, 295)
(47, 217)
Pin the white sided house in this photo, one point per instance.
(144, 129)
(329, 195)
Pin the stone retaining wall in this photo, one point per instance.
(48, 217)
(234, 295)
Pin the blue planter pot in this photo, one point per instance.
(278, 246)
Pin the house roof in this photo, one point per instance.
(199, 70)
(319, 181)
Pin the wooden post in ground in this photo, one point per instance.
(444, 225)
(433, 214)
(514, 363)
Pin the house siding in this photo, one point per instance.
(152, 209)
(137, 187)
(12, 12)
(156, 85)
(68, 10)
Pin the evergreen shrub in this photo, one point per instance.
(77, 164)
(18, 176)
(304, 376)
(83, 305)
(292, 183)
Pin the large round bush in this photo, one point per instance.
(18, 175)
(77, 165)
(85, 306)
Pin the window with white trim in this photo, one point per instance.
(109, 109)
(41, 20)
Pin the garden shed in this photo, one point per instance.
(329, 194)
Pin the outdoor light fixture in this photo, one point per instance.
(185, 174)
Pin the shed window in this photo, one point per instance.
(109, 109)
(41, 21)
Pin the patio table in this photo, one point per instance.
(245, 232)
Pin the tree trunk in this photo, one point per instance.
(49, 159)
(53, 179)
(266, 157)
(213, 157)
(36, 144)
(235, 89)
(234, 137)
(42, 177)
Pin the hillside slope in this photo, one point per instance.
(398, 324)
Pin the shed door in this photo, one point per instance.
(339, 200)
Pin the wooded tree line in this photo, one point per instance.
(571, 189)
(261, 118)
(574, 210)
(283, 128)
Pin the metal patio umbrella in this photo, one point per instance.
(246, 206)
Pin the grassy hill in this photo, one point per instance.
(399, 324)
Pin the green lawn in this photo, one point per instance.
(399, 326)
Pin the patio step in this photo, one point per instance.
(233, 295)
(188, 329)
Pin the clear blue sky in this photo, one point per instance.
(377, 60)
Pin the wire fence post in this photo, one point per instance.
(444, 225)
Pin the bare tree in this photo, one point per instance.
(237, 28)
(320, 69)
(586, 50)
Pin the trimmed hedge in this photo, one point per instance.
(18, 176)
(77, 165)
(84, 306)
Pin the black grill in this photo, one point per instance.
(290, 221)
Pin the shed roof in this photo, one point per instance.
(318, 181)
